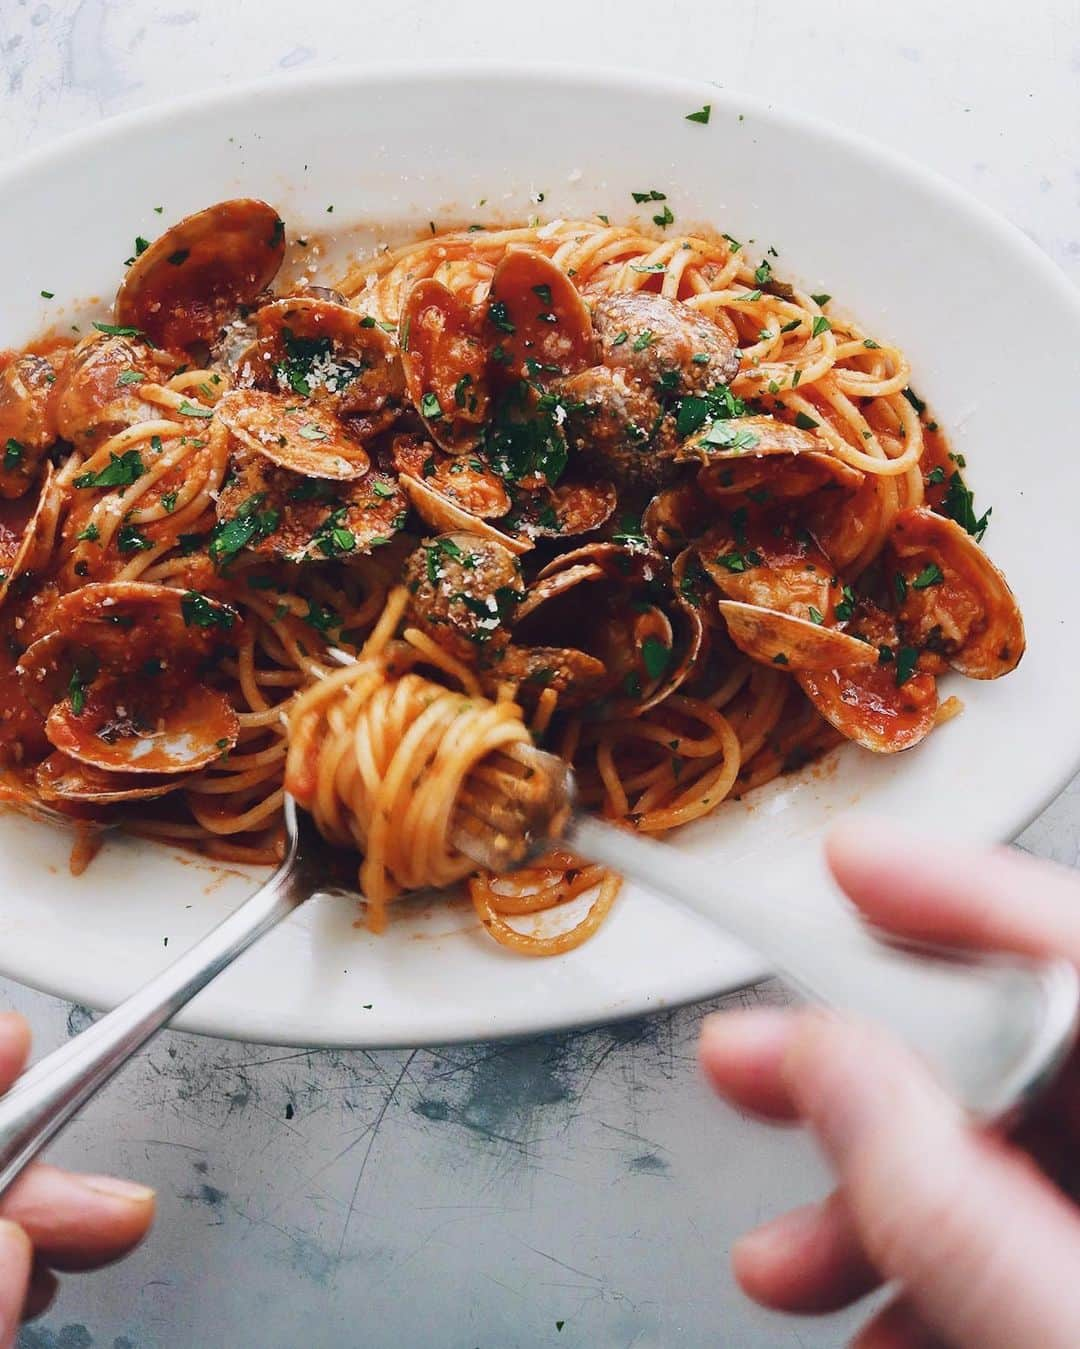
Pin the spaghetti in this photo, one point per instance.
(630, 497)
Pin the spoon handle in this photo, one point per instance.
(50, 1092)
(994, 1028)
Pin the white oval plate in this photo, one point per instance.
(982, 314)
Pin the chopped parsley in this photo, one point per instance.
(821, 300)
(727, 437)
(805, 423)
(914, 399)
(249, 525)
(322, 617)
(620, 338)
(906, 659)
(129, 539)
(76, 692)
(48, 294)
(119, 330)
(90, 534)
(701, 116)
(182, 254)
(790, 327)
(655, 656)
(820, 325)
(647, 267)
(168, 501)
(650, 195)
(121, 471)
(736, 561)
(816, 616)
(500, 317)
(900, 587)
(763, 274)
(13, 454)
(959, 505)
(931, 575)
(665, 218)
(536, 445)
(643, 339)
(870, 344)
(846, 607)
(200, 611)
(187, 409)
(311, 431)
(430, 408)
(130, 377)
(935, 476)
(717, 404)
(544, 292)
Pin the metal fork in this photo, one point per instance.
(995, 1028)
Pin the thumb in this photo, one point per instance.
(985, 1247)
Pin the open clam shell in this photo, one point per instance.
(794, 643)
(192, 280)
(60, 778)
(302, 436)
(463, 479)
(444, 355)
(316, 348)
(27, 420)
(538, 317)
(956, 602)
(21, 540)
(124, 726)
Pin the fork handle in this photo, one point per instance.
(994, 1028)
(50, 1092)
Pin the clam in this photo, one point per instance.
(886, 707)
(133, 726)
(315, 348)
(538, 318)
(464, 589)
(60, 778)
(444, 355)
(956, 603)
(795, 643)
(664, 342)
(184, 289)
(865, 704)
(617, 604)
(124, 629)
(563, 511)
(441, 513)
(676, 516)
(27, 421)
(745, 454)
(577, 677)
(312, 519)
(464, 480)
(22, 536)
(302, 436)
(97, 391)
(771, 571)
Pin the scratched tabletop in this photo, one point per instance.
(580, 1189)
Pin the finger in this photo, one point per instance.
(996, 899)
(16, 1255)
(79, 1221)
(742, 1054)
(897, 1326)
(985, 1247)
(14, 1047)
(43, 1289)
(809, 1260)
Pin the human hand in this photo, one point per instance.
(983, 1243)
(53, 1220)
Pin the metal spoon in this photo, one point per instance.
(996, 1029)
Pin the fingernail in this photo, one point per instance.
(115, 1188)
